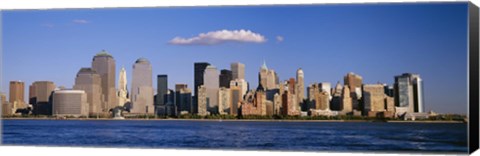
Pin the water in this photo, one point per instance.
(244, 135)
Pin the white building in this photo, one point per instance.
(69, 103)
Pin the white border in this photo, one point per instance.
(49, 4)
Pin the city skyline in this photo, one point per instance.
(332, 60)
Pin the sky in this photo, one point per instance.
(376, 41)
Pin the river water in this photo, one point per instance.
(240, 135)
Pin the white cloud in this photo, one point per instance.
(220, 36)
(80, 21)
(279, 38)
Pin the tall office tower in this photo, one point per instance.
(89, 81)
(260, 101)
(374, 98)
(409, 92)
(199, 69)
(171, 109)
(238, 70)
(337, 91)
(418, 100)
(40, 97)
(354, 81)
(211, 84)
(312, 89)
(291, 86)
(162, 89)
(388, 89)
(263, 75)
(347, 106)
(271, 84)
(70, 103)
(300, 86)
(288, 104)
(269, 108)
(183, 99)
(389, 104)
(104, 64)
(224, 100)
(122, 93)
(277, 104)
(242, 85)
(267, 77)
(322, 101)
(225, 78)
(6, 108)
(142, 90)
(277, 79)
(17, 91)
(336, 101)
(326, 87)
(238, 89)
(202, 101)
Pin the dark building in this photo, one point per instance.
(183, 98)
(171, 109)
(162, 90)
(41, 97)
(225, 78)
(199, 69)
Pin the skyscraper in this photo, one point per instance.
(300, 86)
(409, 92)
(183, 98)
(17, 91)
(162, 89)
(211, 84)
(238, 70)
(263, 75)
(354, 81)
(236, 97)
(346, 100)
(291, 86)
(6, 107)
(336, 101)
(267, 77)
(202, 101)
(40, 97)
(225, 78)
(224, 100)
(122, 93)
(374, 97)
(418, 100)
(326, 87)
(242, 86)
(104, 64)
(142, 90)
(322, 101)
(199, 69)
(70, 103)
(89, 81)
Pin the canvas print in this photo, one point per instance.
(338, 77)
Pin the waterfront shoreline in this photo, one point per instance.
(238, 120)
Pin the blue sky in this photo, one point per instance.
(376, 41)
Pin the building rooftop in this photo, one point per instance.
(86, 70)
(142, 60)
(69, 91)
(264, 66)
(103, 53)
